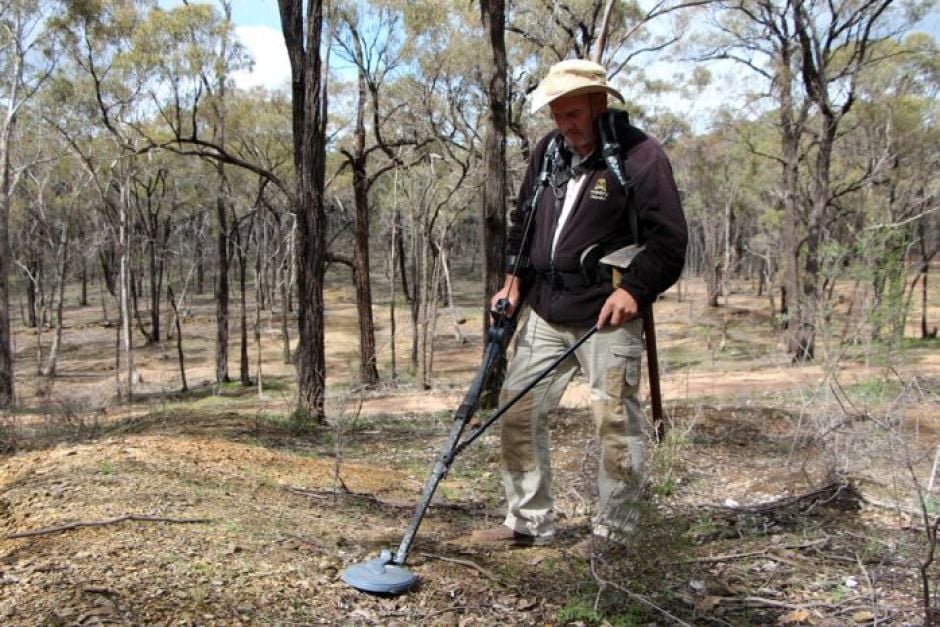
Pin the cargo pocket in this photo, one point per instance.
(624, 374)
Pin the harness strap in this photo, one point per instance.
(561, 280)
(610, 151)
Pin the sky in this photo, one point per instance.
(258, 27)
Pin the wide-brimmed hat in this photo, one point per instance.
(571, 78)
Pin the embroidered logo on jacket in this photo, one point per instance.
(599, 191)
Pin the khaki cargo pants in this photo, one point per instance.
(611, 362)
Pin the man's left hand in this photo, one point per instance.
(619, 308)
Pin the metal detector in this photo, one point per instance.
(386, 573)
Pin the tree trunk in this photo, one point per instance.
(6, 193)
(200, 263)
(32, 291)
(244, 376)
(221, 283)
(368, 368)
(790, 149)
(259, 291)
(449, 295)
(63, 253)
(302, 36)
(125, 281)
(399, 244)
(179, 337)
(155, 281)
(493, 219)
(393, 270)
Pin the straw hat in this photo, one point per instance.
(571, 78)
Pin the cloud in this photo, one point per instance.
(272, 67)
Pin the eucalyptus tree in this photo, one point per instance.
(50, 201)
(495, 180)
(709, 169)
(153, 203)
(181, 94)
(725, 202)
(26, 60)
(194, 82)
(438, 192)
(99, 95)
(836, 43)
(892, 153)
(808, 57)
(301, 24)
(370, 40)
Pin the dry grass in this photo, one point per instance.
(288, 510)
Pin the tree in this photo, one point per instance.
(100, 79)
(179, 90)
(835, 45)
(301, 24)
(370, 43)
(493, 216)
(51, 200)
(24, 67)
(895, 221)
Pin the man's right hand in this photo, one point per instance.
(510, 293)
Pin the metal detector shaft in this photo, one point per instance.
(494, 349)
(454, 445)
(515, 399)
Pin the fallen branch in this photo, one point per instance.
(102, 523)
(727, 557)
(839, 494)
(765, 602)
(331, 493)
(467, 563)
(639, 598)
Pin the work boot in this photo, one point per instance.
(503, 535)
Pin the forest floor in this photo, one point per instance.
(781, 494)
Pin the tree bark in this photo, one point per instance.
(221, 283)
(179, 337)
(493, 219)
(63, 253)
(368, 368)
(302, 36)
(244, 375)
(6, 193)
(125, 283)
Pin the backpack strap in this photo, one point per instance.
(612, 151)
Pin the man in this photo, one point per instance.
(584, 214)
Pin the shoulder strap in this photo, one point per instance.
(612, 151)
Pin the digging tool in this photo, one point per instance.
(620, 260)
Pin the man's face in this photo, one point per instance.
(574, 117)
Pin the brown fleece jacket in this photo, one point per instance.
(600, 216)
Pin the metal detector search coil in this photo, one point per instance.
(380, 576)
